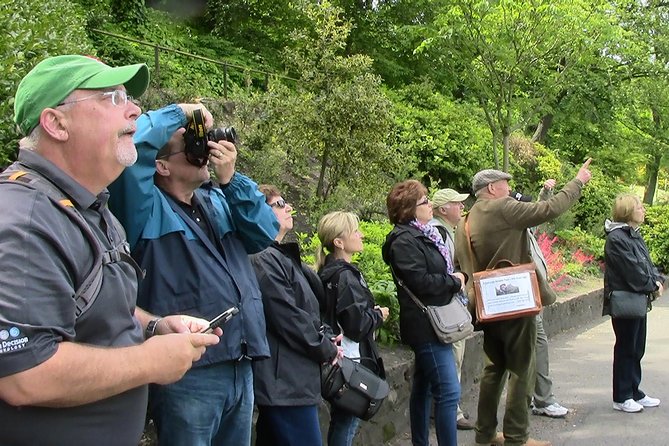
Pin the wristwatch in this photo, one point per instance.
(151, 327)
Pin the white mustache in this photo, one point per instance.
(127, 130)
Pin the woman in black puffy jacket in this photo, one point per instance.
(629, 268)
(287, 386)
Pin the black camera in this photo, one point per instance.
(196, 138)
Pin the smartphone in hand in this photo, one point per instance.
(221, 319)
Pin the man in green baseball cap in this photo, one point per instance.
(53, 79)
(68, 287)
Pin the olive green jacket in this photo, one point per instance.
(498, 229)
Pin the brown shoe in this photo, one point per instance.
(464, 424)
(533, 442)
(497, 441)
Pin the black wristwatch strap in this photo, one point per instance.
(151, 327)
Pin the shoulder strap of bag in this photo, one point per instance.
(472, 256)
(471, 250)
(89, 288)
(401, 283)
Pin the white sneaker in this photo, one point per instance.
(554, 410)
(648, 401)
(628, 406)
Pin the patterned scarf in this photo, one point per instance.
(432, 233)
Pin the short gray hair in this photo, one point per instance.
(30, 142)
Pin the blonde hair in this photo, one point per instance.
(333, 225)
(623, 207)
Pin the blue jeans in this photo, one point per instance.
(288, 426)
(209, 406)
(343, 427)
(435, 374)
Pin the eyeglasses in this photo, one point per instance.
(280, 203)
(423, 203)
(118, 97)
(167, 155)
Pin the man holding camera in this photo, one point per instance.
(74, 363)
(192, 237)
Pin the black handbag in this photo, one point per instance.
(629, 305)
(352, 387)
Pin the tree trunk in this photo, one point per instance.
(495, 155)
(541, 131)
(320, 187)
(505, 140)
(652, 171)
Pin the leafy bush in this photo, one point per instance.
(449, 138)
(596, 201)
(577, 239)
(532, 164)
(656, 234)
(33, 30)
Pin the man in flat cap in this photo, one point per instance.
(74, 362)
(447, 207)
(498, 227)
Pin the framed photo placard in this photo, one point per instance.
(506, 293)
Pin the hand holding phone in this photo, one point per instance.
(221, 319)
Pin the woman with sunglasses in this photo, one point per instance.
(288, 385)
(420, 259)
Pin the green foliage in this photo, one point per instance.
(33, 30)
(515, 56)
(335, 123)
(533, 164)
(187, 77)
(132, 12)
(574, 239)
(596, 200)
(656, 234)
(260, 26)
(448, 138)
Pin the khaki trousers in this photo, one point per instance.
(509, 356)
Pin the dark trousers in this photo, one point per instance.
(627, 353)
(288, 426)
(509, 357)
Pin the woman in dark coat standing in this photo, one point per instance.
(628, 268)
(288, 386)
(418, 256)
(350, 307)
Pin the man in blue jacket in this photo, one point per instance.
(193, 237)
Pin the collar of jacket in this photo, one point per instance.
(290, 250)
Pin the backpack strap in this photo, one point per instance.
(89, 289)
(329, 305)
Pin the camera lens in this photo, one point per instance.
(223, 134)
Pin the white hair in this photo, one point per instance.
(30, 142)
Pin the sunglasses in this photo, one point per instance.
(280, 203)
(423, 203)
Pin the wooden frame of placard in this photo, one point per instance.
(506, 293)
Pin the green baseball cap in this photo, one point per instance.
(53, 79)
